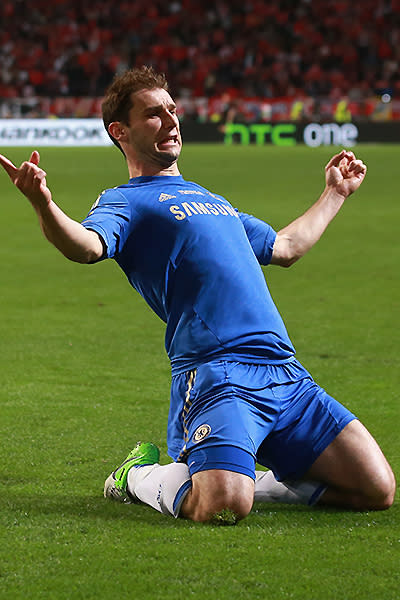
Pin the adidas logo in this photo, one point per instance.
(164, 197)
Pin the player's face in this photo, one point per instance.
(154, 133)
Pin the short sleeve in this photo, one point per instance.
(261, 237)
(110, 217)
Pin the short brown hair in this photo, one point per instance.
(117, 100)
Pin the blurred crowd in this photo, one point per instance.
(245, 48)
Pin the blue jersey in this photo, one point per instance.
(196, 261)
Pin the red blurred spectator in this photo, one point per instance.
(253, 47)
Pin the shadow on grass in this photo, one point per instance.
(90, 507)
(325, 516)
(96, 508)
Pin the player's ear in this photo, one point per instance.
(117, 130)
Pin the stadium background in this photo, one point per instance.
(83, 372)
(238, 61)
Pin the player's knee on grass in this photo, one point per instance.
(379, 498)
(382, 493)
(221, 509)
(356, 471)
(377, 481)
(221, 497)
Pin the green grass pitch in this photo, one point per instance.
(84, 376)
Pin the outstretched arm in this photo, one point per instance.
(343, 174)
(70, 237)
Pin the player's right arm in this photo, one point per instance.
(73, 240)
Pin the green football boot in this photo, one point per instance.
(116, 484)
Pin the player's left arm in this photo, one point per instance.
(344, 174)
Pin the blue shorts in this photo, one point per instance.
(230, 415)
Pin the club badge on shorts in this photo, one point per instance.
(201, 432)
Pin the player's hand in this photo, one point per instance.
(345, 173)
(29, 178)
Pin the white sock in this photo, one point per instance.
(268, 489)
(162, 487)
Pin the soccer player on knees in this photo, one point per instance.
(238, 393)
